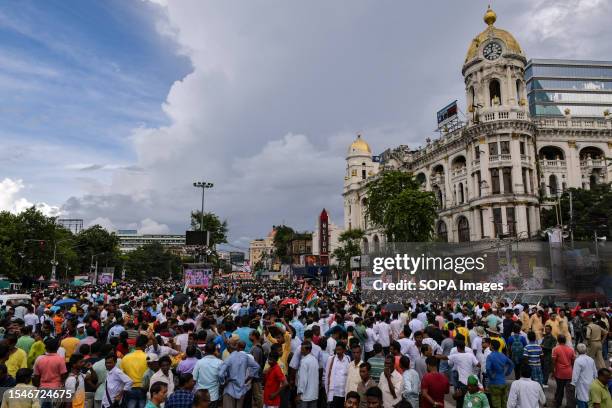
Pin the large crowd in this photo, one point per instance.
(286, 344)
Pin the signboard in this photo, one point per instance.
(105, 278)
(447, 113)
(198, 278)
(196, 238)
(324, 237)
(81, 277)
(236, 258)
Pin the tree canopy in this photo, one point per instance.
(212, 223)
(396, 204)
(350, 241)
(592, 211)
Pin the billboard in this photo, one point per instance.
(199, 238)
(447, 113)
(105, 278)
(198, 278)
(236, 258)
(323, 237)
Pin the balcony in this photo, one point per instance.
(437, 179)
(592, 163)
(552, 165)
(500, 158)
(576, 123)
(459, 172)
(489, 114)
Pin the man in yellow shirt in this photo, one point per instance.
(70, 344)
(17, 358)
(134, 365)
(599, 396)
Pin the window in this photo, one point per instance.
(494, 93)
(493, 149)
(505, 147)
(518, 90)
(528, 221)
(511, 221)
(507, 174)
(495, 181)
(363, 174)
(497, 222)
(482, 233)
(463, 228)
(460, 195)
(525, 186)
(522, 147)
(442, 232)
(479, 182)
(477, 151)
(552, 184)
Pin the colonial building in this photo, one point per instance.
(491, 174)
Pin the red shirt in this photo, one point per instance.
(437, 386)
(563, 356)
(272, 383)
(50, 367)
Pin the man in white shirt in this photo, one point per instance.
(31, 319)
(371, 338)
(415, 324)
(390, 384)
(583, 374)
(334, 376)
(464, 362)
(525, 392)
(397, 325)
(383, 330)
(117, 382)
(353, 378)
(164, 374)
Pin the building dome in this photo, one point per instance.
(359, 146)
(493, 32)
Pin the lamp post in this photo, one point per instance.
(54, 261)
(203, 185)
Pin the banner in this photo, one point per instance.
(198, 278)
(105, 278)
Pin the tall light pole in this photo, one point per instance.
(203, 185)
(54, 262)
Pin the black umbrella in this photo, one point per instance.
(180, 299)
(394, 307)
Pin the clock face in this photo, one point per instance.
(492, 51)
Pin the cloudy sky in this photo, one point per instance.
(111, 109)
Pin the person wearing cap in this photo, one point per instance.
(474, 397)
(525, 392)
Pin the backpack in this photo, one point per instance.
(517, 349)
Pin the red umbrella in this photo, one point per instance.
(290, 301)
(260, 301)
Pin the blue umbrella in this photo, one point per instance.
(65, 302)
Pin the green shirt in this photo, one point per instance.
(378, 366)
(476, 400)
(599, 394)
(24, 343)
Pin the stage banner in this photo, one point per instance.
(105, 278)
(198, 278)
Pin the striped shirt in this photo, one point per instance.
(378, 366)
(533, 352)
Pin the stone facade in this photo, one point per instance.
(492, 174)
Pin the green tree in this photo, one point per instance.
(97, 244)
(350, 241)
(397, 205)
(212, 223)
(282, 236)
(152, 260)
(592, 211)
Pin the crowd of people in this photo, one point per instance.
(295, 344)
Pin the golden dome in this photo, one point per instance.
(491, 31)
(360, 145)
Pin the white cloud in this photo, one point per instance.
(104, 222)
(10, 199)
(149, 226)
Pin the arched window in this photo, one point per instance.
(366, 246)
(460, 196)
(376, 243)
(494, 93)
(463, 229)
(519, 88)
(363, 171)
(552, 184)
(593, 180)
(472, 97)
(442, 232)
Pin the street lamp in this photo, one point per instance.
(54, 261)
(203, 185)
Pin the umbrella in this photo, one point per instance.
(54, 308)
(180, 299)
(290, 301)
(260, 301)
(394, 307)
(65, 302)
